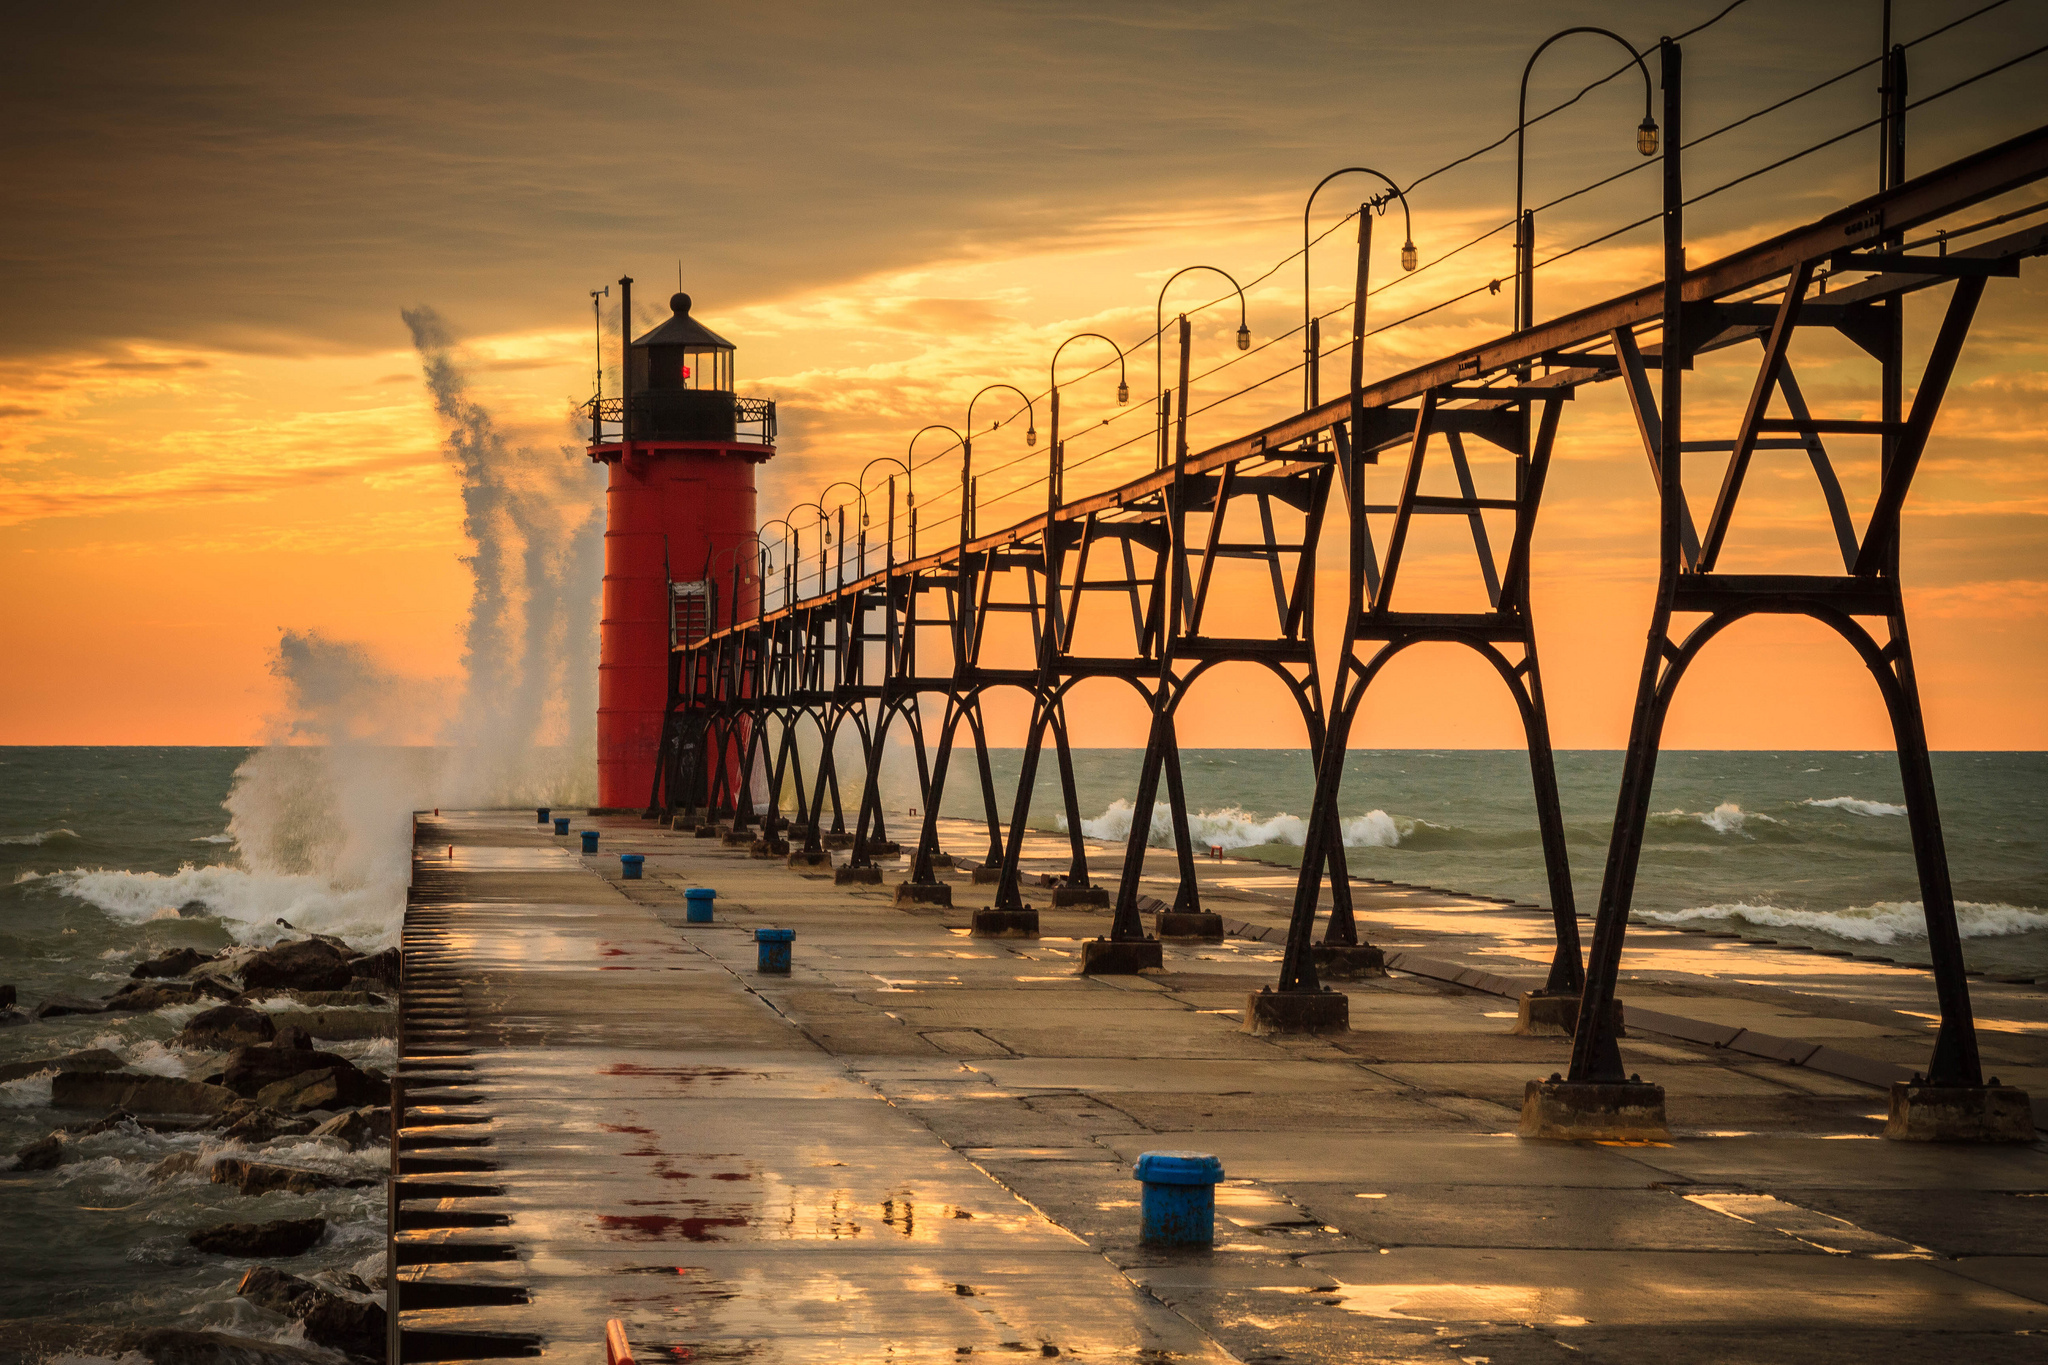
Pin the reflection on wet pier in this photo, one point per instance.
(918, 1145)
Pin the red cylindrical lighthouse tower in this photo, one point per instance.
(678, 510)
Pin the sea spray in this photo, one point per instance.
(319, 817)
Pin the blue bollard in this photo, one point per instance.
(1178, 1208)
(772, 947)
(698, 902)
(542, 812)
(561, 824)
(629, 866)
(589, 840)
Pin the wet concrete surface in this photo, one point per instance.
(917, 1145)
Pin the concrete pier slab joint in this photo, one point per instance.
(911, 893)
(1199, 925)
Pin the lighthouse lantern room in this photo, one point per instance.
(680, 446)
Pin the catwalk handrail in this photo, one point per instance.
(2008, 165)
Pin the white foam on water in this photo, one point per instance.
(27, 1092)
(1234, 827)
(249, 904)
(1881, 922)
(41, 838)
(1726, 818)
(214, 839)
(1856, 805)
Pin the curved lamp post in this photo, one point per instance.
(1244, 341)
(1311, 346)
(889, 549)
(711, 577)
(1056, 456)
(911, 463)
(841, 509)
(769, 562)
(1525, 222)
(825, 539)
(967, 453)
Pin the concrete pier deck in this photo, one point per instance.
(918, 1145)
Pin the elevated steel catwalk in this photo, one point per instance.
(1026, 607)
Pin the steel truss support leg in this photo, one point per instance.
(1126, 925)
(1188, 897)
(1077, 869)
(1009, 894)
(921, 873)
(988, 784)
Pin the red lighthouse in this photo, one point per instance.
(678, 508)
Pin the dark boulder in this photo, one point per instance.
(7, 996)
(342, 1324)
(294, 1037)
(177, 962)
(49, 1339)
(249, 1069)
(114, 1119)
(11, 1017)
(338, 1087)
(194, 910)
(153, 995)
(56, 1006)
(308, 964)
(359, 1128)
(261, 1177)
(280, 1237)
(380, 966)
(227, 1026)
(93, 1059)
(137, 1091)
(44, 1154)
(253, 1123)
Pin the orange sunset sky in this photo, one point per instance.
(213, 427)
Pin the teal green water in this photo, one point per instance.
(1809, 847)
(101, 848)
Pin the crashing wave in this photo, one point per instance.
(1726, 818)
(1882, 922)
(1856, 805)
(1233, 827)
(40, 838)
(249, 904)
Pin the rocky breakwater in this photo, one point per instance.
(267, 1110)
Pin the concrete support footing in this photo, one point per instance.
(1959, 1113)
(1544, 1015)
(857, 876)
(1006, 924)
(1119, 957)
(1080, 895)
(802, 859)
(885, 848)
(708, 831)
(942, 860)
(839, 840)
(767, 848)
(1202, 925)
(1348, 961)
(1271, 1011)
(910, 893)
(1626, 1111)
(736, 838)
(988, 874)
